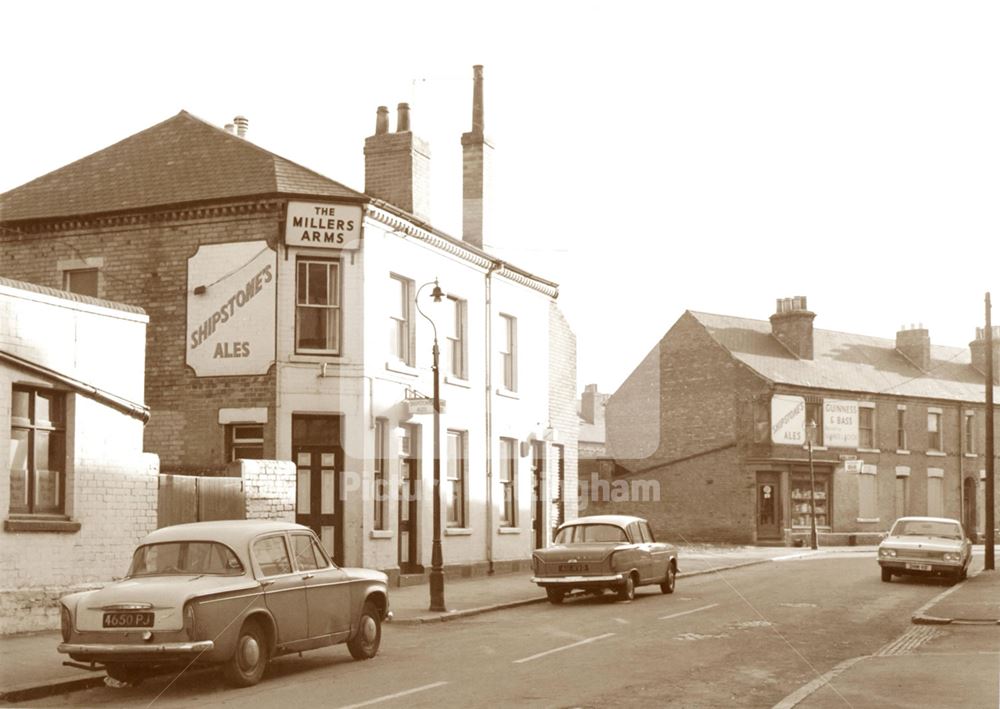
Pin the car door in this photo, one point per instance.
(642, 552)
(659, 553)
(328, 592)
(284, 588)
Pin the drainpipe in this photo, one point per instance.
(495, 266)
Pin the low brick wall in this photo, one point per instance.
(269, 488)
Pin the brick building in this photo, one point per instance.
(713, 423)
(76, 490)
(287, 321)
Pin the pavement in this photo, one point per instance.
(30, 666)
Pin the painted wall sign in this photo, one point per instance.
(323, 225)
(230, 319)
(840, 423)
(788, 420)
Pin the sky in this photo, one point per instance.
(650, 157)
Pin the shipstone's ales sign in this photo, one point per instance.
(231, 292)
(788, 420)
(840, 423)
(327, 226)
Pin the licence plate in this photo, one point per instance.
(129, 619)
(913, 566)
(573, 567)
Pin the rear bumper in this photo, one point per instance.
(578, 581)
(124, 651)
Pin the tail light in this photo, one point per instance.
(190, 622)
(65, 622)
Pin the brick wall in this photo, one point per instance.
(562, 402)
(269, 488)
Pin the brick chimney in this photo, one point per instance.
(792, 324)
(915, 344)
(978, 349)
(477, 161)
(398, 165)
(592, 404)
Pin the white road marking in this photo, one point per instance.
(397, 695)
(564, 647)
(805, 690)
(693, 610)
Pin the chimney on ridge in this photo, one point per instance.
(477, 161)
(792, 325)
(978, 349)
(398, 165)
(915, 344)
(592, 404)
(242, 124)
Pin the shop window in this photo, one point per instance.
(934, 431)
(456, 478)
(38, 451)
(801, 513)
(508, 351)
(379, 474)
(82, 281)
(401, 319)
(244, 440)
(508, 482)
(317, 306)
(866, 426)
(457, 342)
(868, 493)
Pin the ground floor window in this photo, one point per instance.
(508, 482)
(801, 514)
(455, 483)
(244, 440)
(38, 451)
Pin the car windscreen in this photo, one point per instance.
(926, 528)
(185, 558)
(590, 533)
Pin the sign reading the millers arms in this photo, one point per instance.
(323, 225)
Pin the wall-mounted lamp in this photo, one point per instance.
(200, 290)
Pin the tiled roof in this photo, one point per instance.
(183, 159)
(66, 295)
(847, 362)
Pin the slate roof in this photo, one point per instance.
(181, 160)
(66, 295)
(847, 362)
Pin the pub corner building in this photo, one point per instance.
(292, 318)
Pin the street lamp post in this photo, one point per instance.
(810, 438)
(437, 556)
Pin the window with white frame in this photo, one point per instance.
(866, 426)
(508, 482)
(317, 306)
(380, 483)
(83, 281)
(244, 441)
(37, 451)
(508, 351)
(401, 319)
(934, 440)
(455, 492)
(969, 433)
(457, 341)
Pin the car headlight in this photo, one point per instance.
(886, 552)
(190, 622)
(65, 622)
(952, 556)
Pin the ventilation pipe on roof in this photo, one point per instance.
(242, 124)
(231, 129)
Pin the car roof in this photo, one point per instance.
(233, 532)
(620, 520)
(918, 518)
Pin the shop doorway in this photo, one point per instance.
(768, 506)
(409, 486)
(319, 463)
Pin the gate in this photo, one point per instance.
(190, 498)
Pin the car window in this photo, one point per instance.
(305, 553)
(590, 533)
(633, 531)
(647, 533)
(926, 528)
(184, 558)
(272, 556)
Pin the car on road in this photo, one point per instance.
(600, 552)
(230, 593)
(925, 546)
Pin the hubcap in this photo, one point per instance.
(249, 651)
(368, 629)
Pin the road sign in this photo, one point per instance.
(853, 466)
(847, 457)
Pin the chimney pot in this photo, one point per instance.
(230, 128)
(403, 118)
(242, 124)
(382, 120)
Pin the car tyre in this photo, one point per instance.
(670, 581)
(364, 645)
(246, 667)
(555, 595)
(886, 575)
(626, 591)
(125, 674)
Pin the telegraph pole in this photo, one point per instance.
(990, 458)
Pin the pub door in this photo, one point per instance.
(409, 497)
(538, 493)
(319, 460)
(768, 506)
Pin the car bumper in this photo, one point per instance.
(921, 566)
(94, 650)
(578, 581)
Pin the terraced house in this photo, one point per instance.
(291, 317)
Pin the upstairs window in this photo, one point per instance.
(508, 351)
(401, 319)
(934, 431)
(866, 427)
(82, 281)
(901, 428)
(969, 433)
(38, 451)
(457, 351)
(317, 306)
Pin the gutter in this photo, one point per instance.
(139, 412)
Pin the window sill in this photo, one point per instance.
(314, 357)
(508, 530)
(381, 534)
(402, 368)
(937, 454)
(64, 526)
(868, 520)
(507, 393)
(971, 455)
(458, 532)
(900, 451)
(457, 382)
(869, 450)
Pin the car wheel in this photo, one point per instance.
(626, 592)
(364, 644)
(249, 660)
(124, 674)
(886, 575)
(963, 573)
(670, 581)
(555, 595)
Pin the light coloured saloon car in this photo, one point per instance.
(925, 546)
(601, 552)
(233, 593)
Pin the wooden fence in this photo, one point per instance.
(189, 498)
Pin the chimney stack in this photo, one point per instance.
(915, 344)
(792, 325)
(592, 404)
(398, 165)
(477, 160)
(242, 124)
(978, 349)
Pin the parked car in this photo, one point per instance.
(233, 593)
(925, 546)
(601, 552)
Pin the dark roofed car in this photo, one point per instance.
(614, 552)
(232, 593)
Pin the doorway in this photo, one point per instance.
(409, 485)
(319, 462)
(969, 507)
(768, 506)
(538, 493)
